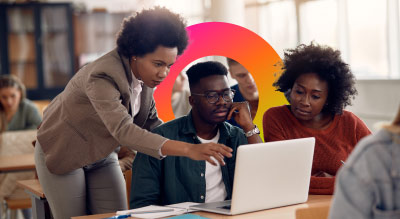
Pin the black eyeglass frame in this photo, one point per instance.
(223, 94)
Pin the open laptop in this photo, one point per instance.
(268, 175)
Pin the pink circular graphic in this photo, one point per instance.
(233, 41)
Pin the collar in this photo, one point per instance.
(127, 66)
(136, 82)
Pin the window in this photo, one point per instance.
(366, 32)
(278, 25)
(318, 22)
(367, 38)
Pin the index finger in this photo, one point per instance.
(224, 150)
(232, 110)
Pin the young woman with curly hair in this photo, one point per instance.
(318, 86)
(109, 103)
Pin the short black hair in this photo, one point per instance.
(231, 61)
(328, 65)
(143, 32)
(205, 69)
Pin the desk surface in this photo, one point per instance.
(287, 212)
(33, 186)
(13, 163)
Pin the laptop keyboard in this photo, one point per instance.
(226, 207)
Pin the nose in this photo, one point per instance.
(9, 101)
(249, 78)
(220, 100)
(305, 100)
(163, 72)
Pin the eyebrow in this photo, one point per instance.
(242, 73)
(218, 90)
(157, 60)
(314, 90)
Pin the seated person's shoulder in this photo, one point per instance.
(233, 130)
(29, 104)
(350, 118)
(276, 112)
(277, 109)
(373, 149)
(348, 115)
(173, 125)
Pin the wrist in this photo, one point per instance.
(254, 131)
(186, 149)
(248, 127)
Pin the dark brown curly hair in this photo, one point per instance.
(143, 32)
(328, 65)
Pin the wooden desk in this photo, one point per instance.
(15, 163)
(40, 207)
(288, 212)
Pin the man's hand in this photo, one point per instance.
(125, 158)
(125, 164)
(197, 151)
(240, 111)
(207, 151)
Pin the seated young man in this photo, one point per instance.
(180, 179)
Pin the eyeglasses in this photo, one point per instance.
(213, 96)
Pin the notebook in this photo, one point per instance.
(268, 175)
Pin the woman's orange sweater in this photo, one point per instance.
(332, 144)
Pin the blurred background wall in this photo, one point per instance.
(46, 42)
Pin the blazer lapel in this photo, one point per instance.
(145, 103)
(146, 96)
(128, 73)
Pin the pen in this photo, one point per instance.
(152, 211)
(342, 161)
(118, 216)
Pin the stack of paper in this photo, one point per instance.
(153, 211)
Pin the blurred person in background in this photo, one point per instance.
(180, 96)
(16, 113)
(367, 186)
(245, 89)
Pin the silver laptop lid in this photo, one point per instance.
(272, 174)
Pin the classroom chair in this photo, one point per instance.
(12, 205)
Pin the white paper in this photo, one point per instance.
(185, 205)
(171, 212)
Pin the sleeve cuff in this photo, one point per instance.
(159, 150)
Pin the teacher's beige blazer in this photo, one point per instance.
(93, 116)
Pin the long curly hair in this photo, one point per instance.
(143, 32)
(328, 65)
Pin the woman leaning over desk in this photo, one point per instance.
(109, 103)
(318, 86)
